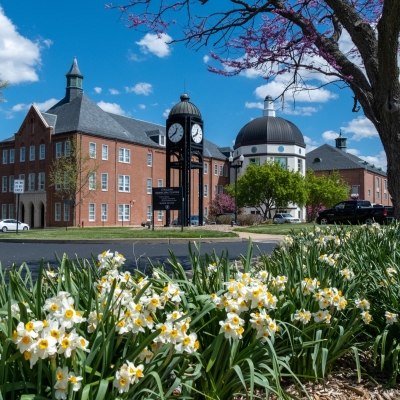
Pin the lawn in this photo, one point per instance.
(115, 233)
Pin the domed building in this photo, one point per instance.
(271, 138)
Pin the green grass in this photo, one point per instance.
(276, 229)
(115, 233)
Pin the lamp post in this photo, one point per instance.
(238, 163)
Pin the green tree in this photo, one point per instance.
(268, 186)
(73, 175)
(324, 191)
(3, 85)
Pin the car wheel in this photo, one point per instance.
(4, 229)
(323, 221)
(369, 221)
(25, 228)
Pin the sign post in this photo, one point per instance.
(19, 186)
(167, 198)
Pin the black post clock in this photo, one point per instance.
(184, 155)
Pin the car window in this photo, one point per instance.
(278, 216)
(286, 215)
(340, 206)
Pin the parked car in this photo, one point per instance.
(11, 225)
(285, 218)
(356, 212)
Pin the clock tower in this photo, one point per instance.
(184, 154)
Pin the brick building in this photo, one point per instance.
(365, 180)
(130, 158)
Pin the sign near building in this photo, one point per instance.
(167, 198)
(19, 186)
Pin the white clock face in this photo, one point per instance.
(197, 133)
(175, 132)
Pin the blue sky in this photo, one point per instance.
(135, 74)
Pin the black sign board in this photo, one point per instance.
(167, 198)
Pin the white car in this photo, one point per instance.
(11, 225)
(285, 218)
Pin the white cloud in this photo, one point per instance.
(310, 148)
(47, 42)
(206, 59)
(155, 44)
(113, 108)
(254, 105)
(355, 152)
(379, 160)
(329, 135)
(309, 141)
(113, 91)
(134, 57)
(18, 55)
(361, 127)
(140, 88)
(277, 87)
(98, 89)
(142, 106)
(304, 111)
(166, 113)
(44, 106)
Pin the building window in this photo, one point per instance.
(57, 212)
(31, 153)
(160, 215)
(92, 150)
(254, 160)
(162, 140)
(377, 183)
(4, 211)
(22, 178)
(160, 183)
(377, 195)
(104, 212)
(149, 186)
(92, 181)
(385, 196)
(4, 185)
(67, 152)
(124, 155)
(354, 190)
(215, 169)
(5, 156)
(22, 154)
(205, 168)
(123, 212)
(104, 152)
(385, 184)
(11, 183)
(67, 180)
(66, 211)
(149, 213)
(123, 183)
(215, 189)
(58, 150)
(221, 170)
(225, 170)
(206, 211)
(282, 161)
(221, 189)
(42, 151)
(92, 212)
(11, 211)
(205, 190)
(41, 181)
(104, 181)
(300, 166)
(12, 155)
(369, 193)
(31, 182)
(58, 182)
(149, 159)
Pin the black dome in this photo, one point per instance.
(184, 107)
(269, 130)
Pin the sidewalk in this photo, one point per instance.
(260, 237)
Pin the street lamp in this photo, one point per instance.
(238, 163)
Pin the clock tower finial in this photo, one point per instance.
(74, 81)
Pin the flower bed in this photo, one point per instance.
(92, 330)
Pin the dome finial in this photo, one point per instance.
(185, 97)
(269, 110)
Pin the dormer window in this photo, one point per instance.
(162, 140)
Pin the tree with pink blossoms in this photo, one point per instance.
(299, 40)
(222, 203)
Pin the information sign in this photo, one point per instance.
(19, 186)
(167, 198)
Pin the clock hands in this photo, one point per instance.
(176, 130)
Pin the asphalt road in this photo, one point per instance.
(137, 255)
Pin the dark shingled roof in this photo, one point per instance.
(329, 158)
(74, 70)
(50, 119)
(185, 107)
(269, 130)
